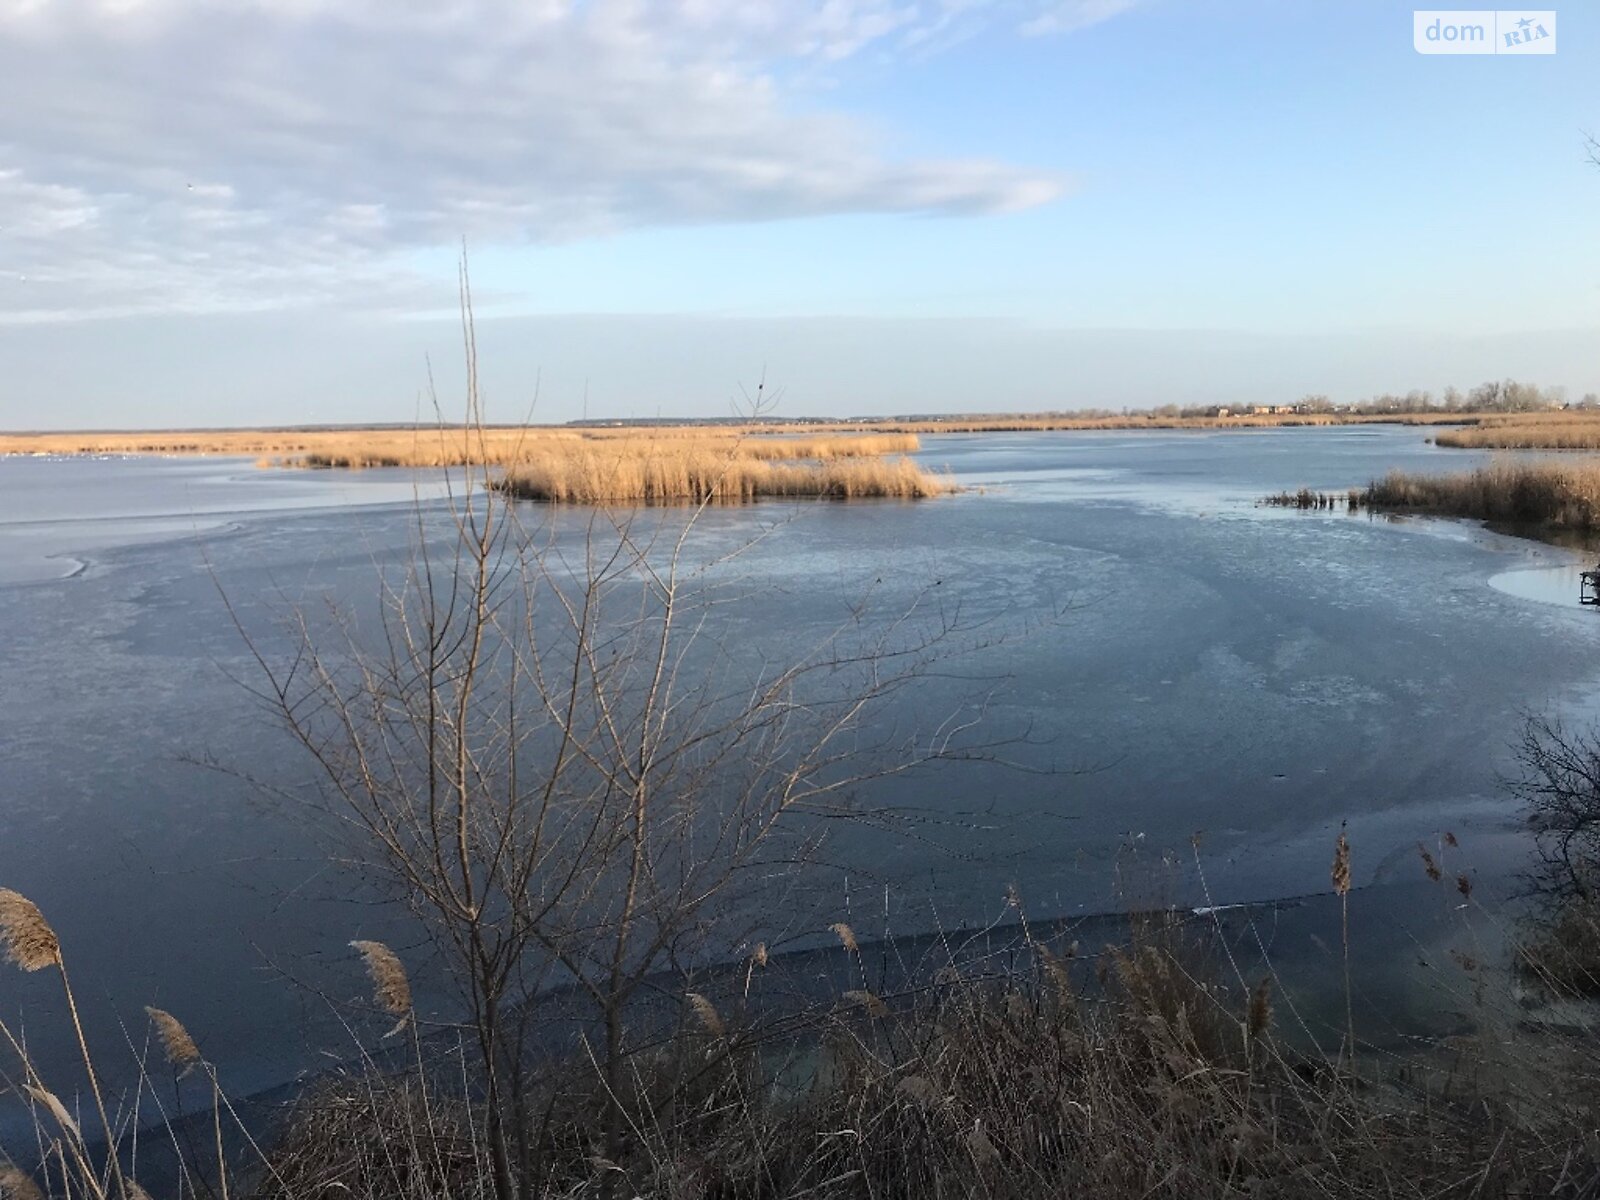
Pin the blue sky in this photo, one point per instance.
(249, 211)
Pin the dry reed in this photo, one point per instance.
(452, 446)
(693, 475)
(179, 1047)
(57, 1110)
(15, 1184)
(1559, 494)
(707, 1013)
(1541, 431)
(30, 943)
(391, 989)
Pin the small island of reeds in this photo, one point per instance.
(1557, 496)
(650, 471)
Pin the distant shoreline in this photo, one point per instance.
(302, 438)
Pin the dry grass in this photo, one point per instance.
(378, 1138)
(1562, 951)
(1153, 1081)
(1543, 431)
(1066, 422)
(1559, 495)
(1146, 1073)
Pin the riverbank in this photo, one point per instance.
(1166, 1053)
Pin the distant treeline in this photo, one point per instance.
(1494, 396)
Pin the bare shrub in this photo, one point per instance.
(570, 784)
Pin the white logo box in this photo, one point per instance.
(1484, 31)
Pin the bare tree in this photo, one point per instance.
(1560, 787)
(555, 760)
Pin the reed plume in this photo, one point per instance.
(1340, 874)
(391, 990)
(16, 1184)
(707, 1012)
(181, 1051)
(846, 935)
(30, 943)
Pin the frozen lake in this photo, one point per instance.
(1181, 660)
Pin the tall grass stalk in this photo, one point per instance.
(31, 944)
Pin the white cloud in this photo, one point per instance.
(193, 155)
(1069, 16)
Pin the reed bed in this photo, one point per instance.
(1557, 495)
(516, 448)
(694, 475)
(1546, 431)
(442, 447)
(1067, 422)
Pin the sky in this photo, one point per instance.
(246, 212)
